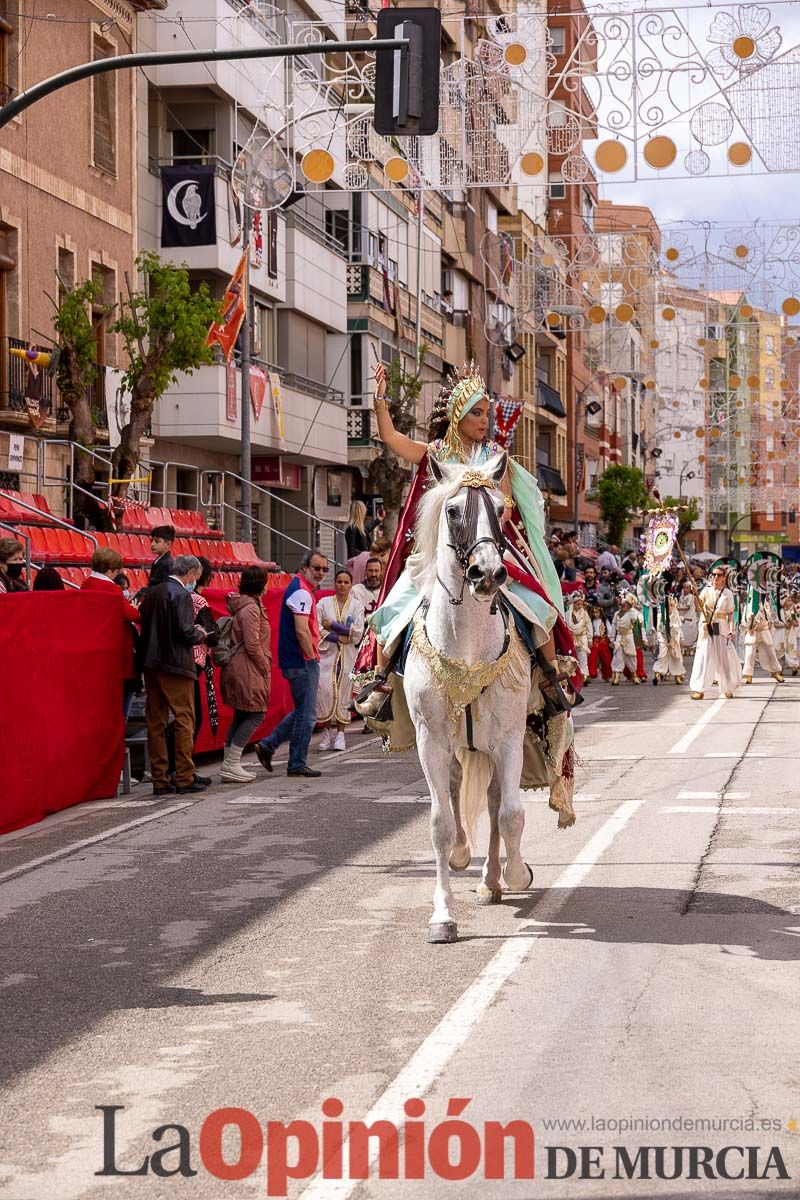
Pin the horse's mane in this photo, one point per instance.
(422, 564)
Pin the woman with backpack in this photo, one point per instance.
(245, 677)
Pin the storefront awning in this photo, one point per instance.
(549, 398)
(550, 481)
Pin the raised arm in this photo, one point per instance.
(404, 447)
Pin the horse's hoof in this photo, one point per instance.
(489, 895)
(530, 881)
(460, 858)
(442, 932)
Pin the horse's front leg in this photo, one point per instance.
(508, 766)
(435, 760)
(461, 855)
(489, 889)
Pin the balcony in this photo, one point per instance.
(222, 257)
(316, 273)
(549, 399)
(14, 377)
(197, 409)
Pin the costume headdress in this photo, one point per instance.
(467, 389)
(763, 570)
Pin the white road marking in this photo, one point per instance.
(615, 757)
(585, 798)
(401, 800)
(746, 810)
(337, 754)
(427, 1064)
(733, 754)
(685, 742)
(718, 795)
(92, 841)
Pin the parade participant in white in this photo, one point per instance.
(687, 610)
(341, 619)
(670, 645)
(624, 640)
(580, 626)
(759, 643)
(716, 659)
(790, 637)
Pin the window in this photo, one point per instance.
(191, 147)
(337, 226)
(491, 217)
(557, 186)
(769, 377)
(9, 57)
(558, 37)
(770, 343)
(104, 111)
(263, 333)
(66, 270)
(588, 209)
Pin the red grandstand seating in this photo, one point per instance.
(14, 514)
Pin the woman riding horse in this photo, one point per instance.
(458, 430)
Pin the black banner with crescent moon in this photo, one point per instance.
(188, 210)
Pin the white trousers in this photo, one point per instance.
(716, 659)
(668, 662)
(761, 652)
(620, 660)
(582, 656)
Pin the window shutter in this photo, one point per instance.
(104, 101)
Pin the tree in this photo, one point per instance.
(620, 492)
(165, 327)
(386, 475)
(688, 509)
(75, 374)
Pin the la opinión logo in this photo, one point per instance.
(452, 1149)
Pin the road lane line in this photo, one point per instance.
(427, 1064)
(717, 795)
(685, 742)
(92, 841)
(734, 754)
(747, 810)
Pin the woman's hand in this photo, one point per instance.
(380, 380)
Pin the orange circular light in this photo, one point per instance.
(553, 320)
(623, 312)
(701, 433)
(660, 152)
(746, 310)
(396, 169)
(701, 458)
(791, 306)
(654, 344)
(790, 341)
(703, 383)
(611, 156)
(515, 54)
(677, 433)
(317, 165)
(668, 313)
(701, 341)
(739, 154)
(672, 255)
(620, 383)
(753, 381)
(744, 46)
(547, 260)
(784, 385)
(734, 381)
(650, 384)
(596, 314)
(715, 433)
(531, 164)
(742, 251)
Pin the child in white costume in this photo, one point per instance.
(759, 643)
(670, 645)
(624, 641)
(580, 626)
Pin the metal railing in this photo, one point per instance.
(14, 375)
(222, 168)
(301, 221)
(209, 476)
(52, 520)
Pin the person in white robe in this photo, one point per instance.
(716, 660)
(791, 620)
(670, 646)
(759, 642)
(624, 641)
(688, 615)
(341, 619)
(580, 626)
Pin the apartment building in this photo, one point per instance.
(203, 115)
(67, 210)
(573, 197)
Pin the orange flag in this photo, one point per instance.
(226, 330)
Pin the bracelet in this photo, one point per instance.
(380, 404)
(508, 502)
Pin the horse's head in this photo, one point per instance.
(471, 523)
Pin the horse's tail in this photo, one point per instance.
(476, 775)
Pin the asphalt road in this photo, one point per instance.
(264, 948)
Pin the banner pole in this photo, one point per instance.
(245, 335)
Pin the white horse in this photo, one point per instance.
(467, 664)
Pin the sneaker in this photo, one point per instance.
(338, 741)
(206, 780)
(304, 773)
(191, 790)
(264, 756)
(168, 790)
(325, 741)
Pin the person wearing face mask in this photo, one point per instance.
(169, 634)
(12, 566)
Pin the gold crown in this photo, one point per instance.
(466, 384)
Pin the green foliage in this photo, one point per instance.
(620, 492)
(77, 366)
(165, 328)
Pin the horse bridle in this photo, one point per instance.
(464, 543)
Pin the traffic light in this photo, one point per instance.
(407, 84)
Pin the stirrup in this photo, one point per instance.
(377, 684)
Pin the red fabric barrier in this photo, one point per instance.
(63, 734)
(280, 699)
